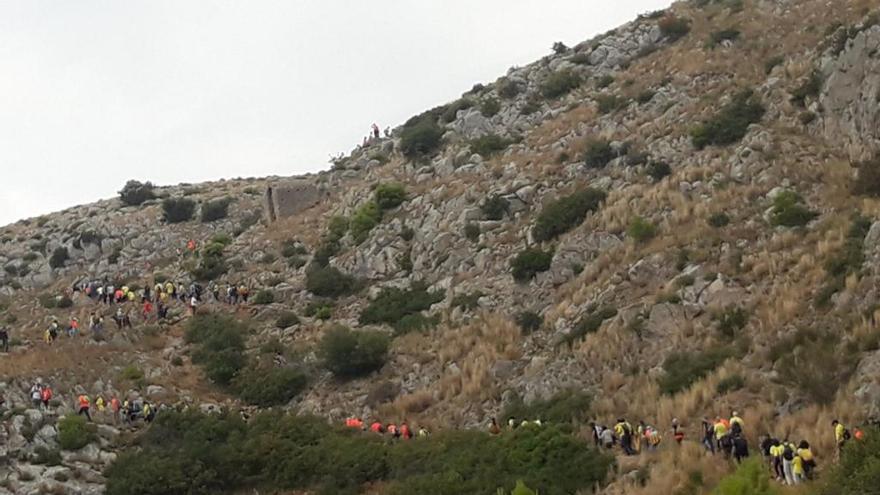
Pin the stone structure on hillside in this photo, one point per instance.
(285, 199)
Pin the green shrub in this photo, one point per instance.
(731, 123)
(131, 373)
(858, 470)
(674, 28)
(564, 407)
(529, 321)
(731, 384)
(416, 322)
(604, 81)
(177, 210)
(215, 210)
(390, 195)
(772, 63)
(421, 138)
(719, 220)
(219, 341)
(64, 302)
(610, 103)
(319, 310)
(750, 478)
(682, 369)
(531, 105)
(59, 257)
(528, 263)
(135, 193)
(291, 248)
(867, 181)
(560, 83)
(211, 264)
(450, 112)
(788, 211)
(658, 170)
(731, 320)
(393, 304)
(364, 220)
(472, 232)
(718, 37)
(350, 354)
(266, 386)
(590, 323)
(508, 88)
(467, 302)
(47, 457)
(489, 144)
(75, 433)
(286, 319)
(814, 365)
(645, 96)
(641, 230)
(328, 281)
(264, 296)
(566, 213)
(490, 107)
(599, 152)
(495, 207)
(809, 89)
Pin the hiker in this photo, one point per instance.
(4, 339)
(652, 437)
(494, 429)
(720, 432)
(423, 432)
(149, 412)
(376, 427)
(148, 308)
(624, 432)
(607, 437)
(46, 396)
(393, 430)
(244, 292)
(841, 435)
(161, 311)
(84, 405)
(52, 331)
(740, 448)
(114, 408)
(776, 455)
(73, 328)
(375, 130)
(736, 423)
(808, 461)
(677, 432)
(708, 435)
(511, 423)
(787, 460)
(37, 394)
(405, 432)
(596, 433)
(100, 405)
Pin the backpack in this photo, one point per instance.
(735, 428)
(787, 452)
(846, 434)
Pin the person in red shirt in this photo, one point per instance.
(405, 431)
(148, 308)
(114, 406)
(46, 396)
(376, 427)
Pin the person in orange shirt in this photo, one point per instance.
(84, 405)
(114, 407)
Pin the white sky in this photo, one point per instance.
(93, 93)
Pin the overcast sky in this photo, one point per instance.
(93, 93)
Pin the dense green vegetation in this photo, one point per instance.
(349, 354)
(858, 471)
(561, 409)
(731, 123)
(189, 452)
(217, 209)
(566, 213)
(135, 193)
(400, 308)
(751, 478)
(682, 369)
(75, 433)
(530, 262)
(177, 210)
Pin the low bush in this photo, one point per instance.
(495, 207)
(508, 88)
(392, 305)
(658, 170)
(814, 365)
(604, 81)
(45, 456)
(810, 88)
(528, 263)
(328, 281)
(772, 63)
(264, 296)
(321, 310)
(390, 195)
(450, 112)
(867, 181)
(731, 123)
(590, 323)
(610, 103)
(490, 107)
(646, 96)
(75, 433)
(718, 37)
(731, 384)
(200, 454)
(598, 153)
(674, 28)
(529, 321)
(135, 193)
(291, 248)
(267, 386)
(350, 354)
(560, 83)
(421, 138)
(488, 145)
(59, 257)
(858, 470)
(178, 210)
(682, 369)
(472, 232)
(751, 477)
(718, 220)
(467, 302)
(566, 213)
(219, 342)
(731, 320)
(641, 230)
(286, 319)
(217, 209)
(364, 220)
(211, 263)
(789, 211)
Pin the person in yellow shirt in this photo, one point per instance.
(807, 459)
(797, 469)
(736, 422)
(776, 455)
(841, 435)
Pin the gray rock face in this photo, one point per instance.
(289, 198)
(849, 98)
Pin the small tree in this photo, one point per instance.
(177, 210)
(527, 264)
(135, 193)
(74, 433)
(350, 354)
(328, 281)
(59, 257)
(215, 210)
(390, 196)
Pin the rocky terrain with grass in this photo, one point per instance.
(676, 218)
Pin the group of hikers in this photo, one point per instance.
(391, 429)
(128, 411)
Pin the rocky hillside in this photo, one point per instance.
(679, 217)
